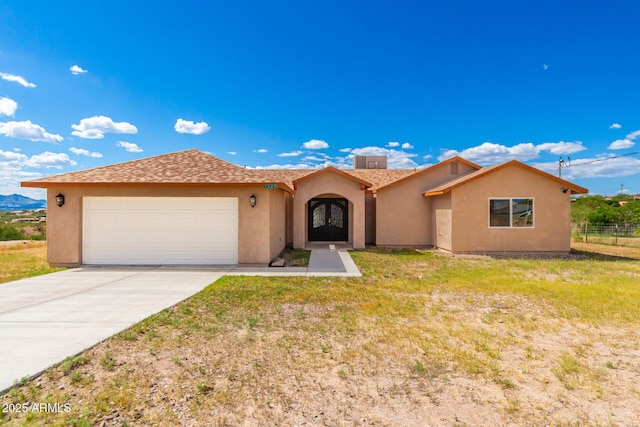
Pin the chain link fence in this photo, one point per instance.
(608, 234)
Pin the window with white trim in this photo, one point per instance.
(511, 212)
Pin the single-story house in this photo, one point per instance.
(190, 207)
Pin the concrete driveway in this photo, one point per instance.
(47, 318)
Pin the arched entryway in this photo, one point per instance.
(328, 220)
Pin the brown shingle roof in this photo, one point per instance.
(183, 167)
(448, 186)
(190, 166)
(196, 167)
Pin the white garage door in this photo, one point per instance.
(160, 230)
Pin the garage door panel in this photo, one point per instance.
(144, 230)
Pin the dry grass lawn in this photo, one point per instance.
(23, 259)
(423, 339)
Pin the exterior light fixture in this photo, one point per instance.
(252, 200)
(60, 200)
(564, 190)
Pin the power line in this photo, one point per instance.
(601, 160)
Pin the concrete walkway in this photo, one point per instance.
(47, 318)
(331, 260)
(327, 259)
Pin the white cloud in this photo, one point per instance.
(427, 156)
(49, 160)
(627, 142)
(260, 150)
(233, 153)
(290, 154)
(29, 131)
(345, 150)
(599, 167)
(490, 153)
(286, 166)
(129, 146)
(95, 127)
(15, 162)
(405, 146)
(8, 106)
(545, 66)
(633, 135)
(187, 126)
(620, 144)
(615, 126)
(83, 152)
(12, 170)
(11, 156)
(315, 144)
(75, 70)
(10, 177)
(17, 79)
(562, 147)
(314, 159)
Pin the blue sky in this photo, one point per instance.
(307, 84)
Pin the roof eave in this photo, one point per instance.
(335, 170)
(35, 184)
(432, 193)
(575, 189)
(47, 184)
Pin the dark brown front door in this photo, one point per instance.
(328, 220)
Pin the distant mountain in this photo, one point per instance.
(18, 202)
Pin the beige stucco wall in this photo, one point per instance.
(64, 228)
(288, 198)
(259, 235)
(329, 184)
(277, 219)
(552, 213)
(403, 215)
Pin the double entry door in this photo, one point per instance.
(328, 220)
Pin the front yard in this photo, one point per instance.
(421, 339)
(23, 259)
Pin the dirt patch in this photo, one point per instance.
(610, 250)
(295, 257)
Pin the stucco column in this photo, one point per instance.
(358, 222)
(299, 212)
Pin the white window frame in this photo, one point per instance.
(511, 199)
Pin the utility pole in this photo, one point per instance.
(560, 162)
(563, 164)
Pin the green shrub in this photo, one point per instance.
(9, 232)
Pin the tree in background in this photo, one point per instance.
(598, 210)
